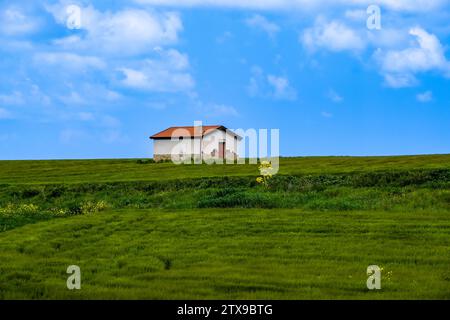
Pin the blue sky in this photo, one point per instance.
(309, 68)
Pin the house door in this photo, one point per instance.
(222, 150)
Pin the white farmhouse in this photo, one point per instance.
(196, 142)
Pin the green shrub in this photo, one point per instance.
(59, 211)
(87, 207)
(234, 198)
(74, 209)
(55, 191)
(30, 193)
(24, 209)
(93, 207)
(142, 161)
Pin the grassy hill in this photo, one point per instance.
(75, 171)
(162, 231)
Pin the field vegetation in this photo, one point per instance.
(140, 229)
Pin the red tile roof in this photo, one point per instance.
(184, 132)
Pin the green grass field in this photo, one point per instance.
(161, 231)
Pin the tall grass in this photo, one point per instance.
(229, 254)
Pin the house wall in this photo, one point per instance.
(164, 148)
(210, 145)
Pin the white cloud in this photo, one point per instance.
(135, 78)
(73, 98)
(259, 22)
(215, 110)
(276, 87)
(334, 96)
(333, 36)
(400, 66)
(114, 136)
(71, 61)
(15, 21)
(86, 116)
(117, 42)
(32, 97)
(224, 37)
(12, 45)
(126, 33)
(5, 114)
(68, 136)
(110, 121)
(105, 121)
(130, 31)
(400, 80)
(356, 14)
(282, 89)
(112, 95)
(15, 98)
(429, 54)
(223, 110)
(410, 5)
(82, 93)
(424, 97)
(174, 58)
(255, 81)
(326, 114)
(157, 80)
(74, 136)
(389, 38)
(37, 95)
(337, 36)
(168, 73)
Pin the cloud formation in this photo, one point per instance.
(127, 31)
(15, 22)
(331, 35)
(334, 96)
(400, 67)
(260, 22)
(272, 86)
(424, 97)
(72, 61)
(5, 114)
(409, 5)
(166, 73)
